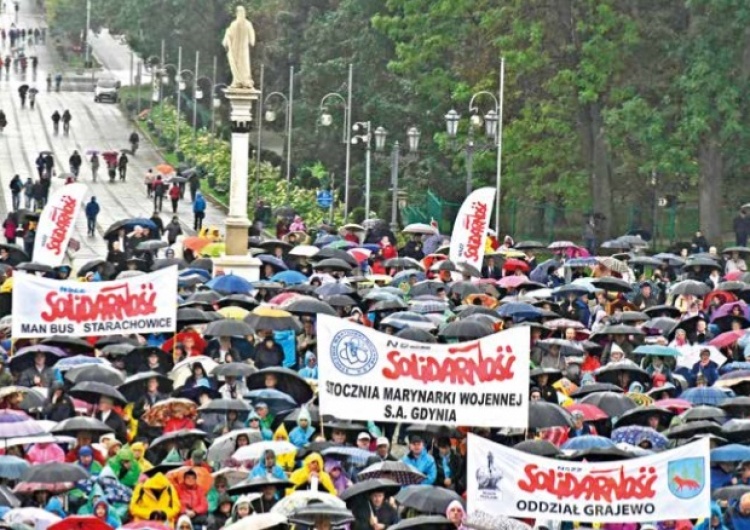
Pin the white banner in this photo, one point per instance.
(674, 484)
(470, 228)
(140, 304)
(368, 375)
(56, 224)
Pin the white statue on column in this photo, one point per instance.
(238, 39)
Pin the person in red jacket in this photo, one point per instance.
(174, 196)
(193, 500)
(179, 420)
(387, 250)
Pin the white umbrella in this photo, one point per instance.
(304, 251)
(419, 228)
(183, 369)
(255, 451)
(259, 521)
(302, 498)
(233, 475)
(224, 446)
(41, 439)
(36, 517)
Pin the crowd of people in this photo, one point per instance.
(220, 422)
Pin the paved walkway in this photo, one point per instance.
(99, 126)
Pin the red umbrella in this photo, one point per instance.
(283, 298)
(200, 342)
(513, 265)
(590, 412)
(724, 297)
(80, 522)
(734, 276)
(727, 338)
(511, 282)
(675, 404)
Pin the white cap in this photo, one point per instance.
(363, 436)
(383, 441)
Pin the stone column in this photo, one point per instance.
(237, 260)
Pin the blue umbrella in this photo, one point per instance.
(730, 453)
(230, 284)
(581, 262)
(731, 367)
(518, 311)
(114, 492)
(200, 272)
(326, 240)
(706, 395)
(330, 289)
(275, 399)
(12, 467)
(79, 360)
(582, 443)
(289, 277)
(404, 276)
(356, 456)
(542, 271)
(655, 349)
(635, 434)
(273, 261)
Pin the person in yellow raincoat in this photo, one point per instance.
(286, 461)
(312, 468)
(139, 450)
(157, 494)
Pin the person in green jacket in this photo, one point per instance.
(97, 495)
(125, 467)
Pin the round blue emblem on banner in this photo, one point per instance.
(353, 353)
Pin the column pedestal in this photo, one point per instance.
(237, 260)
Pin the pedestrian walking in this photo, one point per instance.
(49, 82)
(9, 229)
(148, 179)
(160, 190)
(3, 121)
(16, 187)
(22, 91)
(49, 163)
(75, 162)
(122, 166)
(156, 219)
(56, 117)
(28, 193)
(194, 181)
(58, 81)
(174, 196)
(32, 97)
(94, 166)
(173, 229)
(66, 119)
(199, 211)
(92, 210)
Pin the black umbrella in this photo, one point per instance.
(612, 403)
(567, 347)
(16, 254)
(309, 306)
(30, 266)
(704, 412)
(640, 416)
(398, 471)
(310, 514)
(137, 359)
(333, 264)
(690, 287)
(342, 425)
(95, 373)
(191, 316)
(729, 493)
(24, 358)
(32, 402)
(163, 263)
(632, 317)
(151, 245)
(287, 381)
(238, 300)
(54, 473)
(464, 289)
(69, 344)
(77, 424)
(433, 431)
(417, 335)
(619, 329)
(135, 386)
(92, 392)
(313, 447)
(182, 440)
(228, 328)
(538, 447)
(529, 245)
(425, 522)
(270, 244)
(466, 330)
(612, 285)
(543, 415)
(335, 253)
(737, 406)
(389, 305)
(389, 487)
(736, 430)
(688, 430)
(612, 373)
(662, 311)
(664, 325)
(241, 370)
(600, 454)
(341, 300)
(427, 499)
(329, 289)
(256, 485)
(107, 268)
(593, 388)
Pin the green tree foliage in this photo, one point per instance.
(607, 102)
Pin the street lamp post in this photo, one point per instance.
(195, 97)
(493, 130)
(87, 44)
(270, 116)
(260, 133)
(366, 138)
(412, 136)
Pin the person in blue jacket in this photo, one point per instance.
(421, 460)
(705, 366)
(713, 522)
(737, 514)
(268, 467)
(303, 432)
(199, 211)
(92, 211)
(310, 371)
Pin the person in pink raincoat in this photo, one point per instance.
(44, 453)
